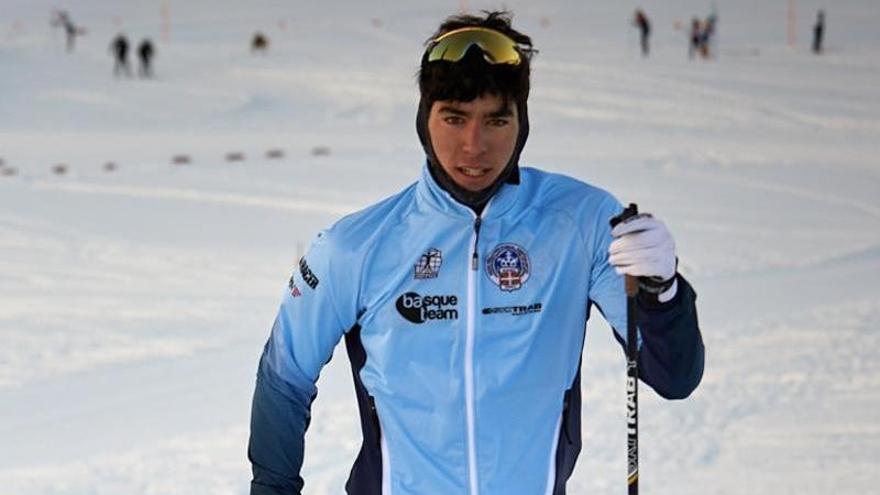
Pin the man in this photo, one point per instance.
(62, 18)
(641, 21)
(818, 32)
(463, 300)
(146, 50)
(696, 38)
(119, 48)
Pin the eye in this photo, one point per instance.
(498, 122)
(453, 120)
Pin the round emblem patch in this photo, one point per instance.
(508, 266)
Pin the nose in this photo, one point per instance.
(474, 140)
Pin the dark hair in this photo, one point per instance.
(473, 76)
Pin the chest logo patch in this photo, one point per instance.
(428, 265)
(508, 267)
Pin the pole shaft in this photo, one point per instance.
(632, 388)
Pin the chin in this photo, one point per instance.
(473, 186)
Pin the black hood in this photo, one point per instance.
(475, 200)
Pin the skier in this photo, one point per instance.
(641, 21)
(62, 19)
(119, 49)
(145, 53)
(708, 35)
(818, 32)
(463, 298)
(696, 38)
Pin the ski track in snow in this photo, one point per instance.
(133, 305)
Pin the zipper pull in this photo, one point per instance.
(475, 259)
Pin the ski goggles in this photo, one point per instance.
(452, 46)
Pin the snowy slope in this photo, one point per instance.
(134, 303)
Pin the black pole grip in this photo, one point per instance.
(628, 212)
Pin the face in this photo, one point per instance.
(473, 140)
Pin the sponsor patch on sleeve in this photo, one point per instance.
(307, 275)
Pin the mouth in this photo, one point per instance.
(474, 172)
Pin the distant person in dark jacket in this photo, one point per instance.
(818, 32)
(696, 38)
(641, 21)
(119, 48)
(145, 54)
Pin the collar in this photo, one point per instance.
(430, 195)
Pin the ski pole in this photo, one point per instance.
(632, 367)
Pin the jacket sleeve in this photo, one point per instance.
(316, 310)
(671, 353)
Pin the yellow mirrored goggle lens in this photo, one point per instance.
(452, 46)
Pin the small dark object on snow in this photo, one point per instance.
(110, 166)
(181, 159)
(235, 156)
(8, 171)
(59, 169)
(275, 154)
(259, 43)
(321, 151)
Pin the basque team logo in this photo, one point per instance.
(508, 266)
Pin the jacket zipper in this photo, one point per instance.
(475, 258)
(469, 355)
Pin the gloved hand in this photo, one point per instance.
(643, 247)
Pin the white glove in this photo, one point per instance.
(643, 247)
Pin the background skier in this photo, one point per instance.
(71, 31)
(818, 32)
(707, 42)
(641, 21)
(119, 49)
(696, 38)
(145, 54)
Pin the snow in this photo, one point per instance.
(134, 303)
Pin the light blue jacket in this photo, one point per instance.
(465, 335)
